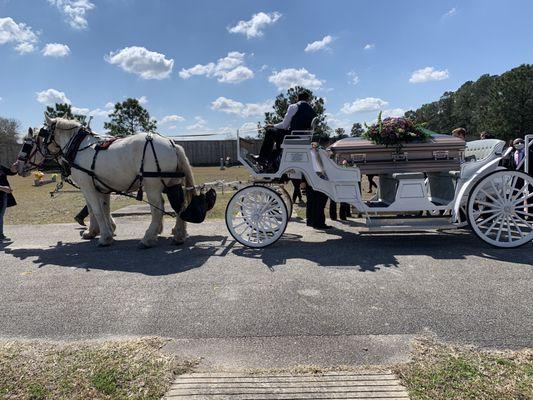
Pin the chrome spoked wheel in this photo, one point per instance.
(500, 209)
(256, 216)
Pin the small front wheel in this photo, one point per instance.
(256, 216)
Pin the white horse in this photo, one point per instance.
(118, 167)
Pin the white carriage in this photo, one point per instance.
(495, 201)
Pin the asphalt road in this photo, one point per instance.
(313, 298)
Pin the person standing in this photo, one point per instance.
(6, 195)
(80, 217)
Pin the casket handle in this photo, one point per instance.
(441, 155)
(399, 157)
(358, 158)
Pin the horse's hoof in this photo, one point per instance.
(142, 245)
(88, 235)
(105, 242)
(177, 242)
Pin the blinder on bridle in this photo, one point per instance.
(37, 145)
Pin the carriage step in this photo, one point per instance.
(408, 224)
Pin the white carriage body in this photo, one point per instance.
(407, 192)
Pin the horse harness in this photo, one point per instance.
(66, 158)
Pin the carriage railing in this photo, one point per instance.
(526, 162)
(528, 147)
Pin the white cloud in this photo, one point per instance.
(242, 110)
(98, 112)
(142, 62)
(363, 105)
(200, 124)
(394, 112)
(290, 77)
(142, 100)
(248, 127)
(109, 105)
(369, 46)
(450, 13)
(52, 96)
(353, 78)
(319, 44)
(19, 34)
(74, 11)
(230, 69)
(254, 27)
(56, 50)
(81, 111)
(172, 118)
(428, 74)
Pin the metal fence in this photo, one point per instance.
(199, 152)
(209, 152)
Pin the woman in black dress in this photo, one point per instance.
(6, 195)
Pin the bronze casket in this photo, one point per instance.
(436, 154)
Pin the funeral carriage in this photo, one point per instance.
(441, 182)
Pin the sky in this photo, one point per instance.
(204, 68)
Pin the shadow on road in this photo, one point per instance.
(341, 249)
(371, 252)
(164, 259)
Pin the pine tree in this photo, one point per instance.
(129, 118)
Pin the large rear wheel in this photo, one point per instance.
(256, 216)
(500, 209)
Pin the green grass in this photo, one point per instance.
(444, 372)
(129, 369)
(36, 206)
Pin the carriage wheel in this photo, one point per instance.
(498, 211)
(256, 216)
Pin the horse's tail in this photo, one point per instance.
(185, 167)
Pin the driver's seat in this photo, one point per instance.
(314, 125)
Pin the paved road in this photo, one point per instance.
(339, 297)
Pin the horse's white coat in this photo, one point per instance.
(118, 167)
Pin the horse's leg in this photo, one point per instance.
(107, 211)
(96, 202)
(154, 194)
(179, 231)
(93, 229)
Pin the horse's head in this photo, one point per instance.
(30, 156)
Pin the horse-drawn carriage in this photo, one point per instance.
(450, 182)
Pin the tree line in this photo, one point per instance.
(501, 105)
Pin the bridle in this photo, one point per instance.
(34, 146)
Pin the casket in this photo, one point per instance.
(436, 154)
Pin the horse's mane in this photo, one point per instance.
(66, 124)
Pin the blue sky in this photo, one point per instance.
(214, 66)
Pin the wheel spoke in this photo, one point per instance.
(487, 220)
(496, 191)
(494, 223)
(488, 195)
(517, 227)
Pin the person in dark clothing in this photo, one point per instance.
(314, 211)
(344, 211)
(80, 217)
(371, 183)
(297, 193)
(6, 195)
(298, 118)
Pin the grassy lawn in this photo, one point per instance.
(129, 369)
(36, 206)
(443, 372)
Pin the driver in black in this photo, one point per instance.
(298, 118)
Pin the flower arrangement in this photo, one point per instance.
(394, 132)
